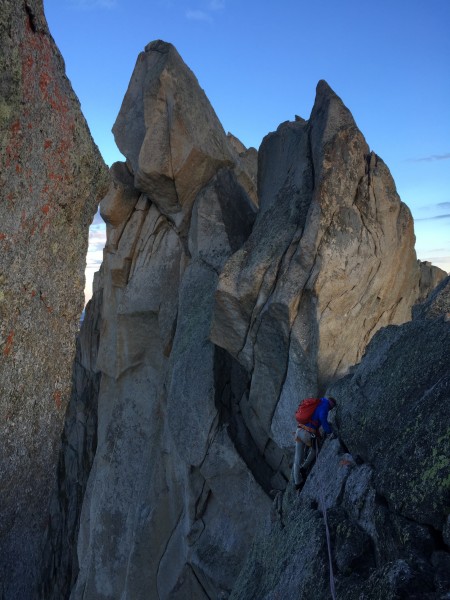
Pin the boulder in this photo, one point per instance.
(117, 206)
(403, 388)
(51, 179)
(168, 130)
(430, 276)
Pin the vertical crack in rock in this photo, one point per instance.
(162, 557)
(78, 447)
(231, 383)
(169, 128)
(31, 18)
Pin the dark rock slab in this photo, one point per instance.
(384, 483)
(395, 412)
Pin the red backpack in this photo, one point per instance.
(306, 409)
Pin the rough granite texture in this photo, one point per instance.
(329, 262)
(403, 388)
(212, 326)
(79, 443)
(167, 493)
(384, 483)
(51, 179)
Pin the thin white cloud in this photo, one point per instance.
(97, 240)
(97, 232)
(435, 218)
(92, 267)
(437, 206)
(91, 4)
(216, 4)
(431, 158)
(97, 229)
(206, 15)
(198, 15)
(94, 249)
(94, 257)
(433, 259)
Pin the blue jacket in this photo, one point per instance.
(321, 415)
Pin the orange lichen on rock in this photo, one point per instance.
(44, 80)
(57, 397)
(9, 343)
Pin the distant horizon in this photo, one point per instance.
(259, 65)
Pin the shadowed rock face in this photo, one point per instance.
(213, 324)
(403, 387)
(384, 482)
(51, 179)
(78, 446)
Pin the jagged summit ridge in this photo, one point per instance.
(330, 260)
(168, 130)
(160, 46)
(216, 315)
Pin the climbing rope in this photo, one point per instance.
(327, 531)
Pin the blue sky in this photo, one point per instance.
(259, 63)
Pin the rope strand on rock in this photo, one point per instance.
(327, 531)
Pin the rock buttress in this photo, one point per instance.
(193, 435)
(170, 506)
(329, 262)
(384, 483)
(51, 179)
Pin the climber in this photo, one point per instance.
(312, 422)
